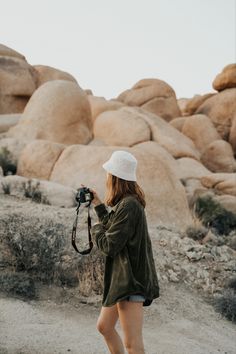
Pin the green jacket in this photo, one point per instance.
(122, 236)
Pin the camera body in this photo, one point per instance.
(84, 195)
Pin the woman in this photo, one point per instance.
(130, 279)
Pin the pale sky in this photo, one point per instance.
(109, 45)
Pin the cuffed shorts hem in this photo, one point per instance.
(135, 298)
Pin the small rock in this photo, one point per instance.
(194, 256)
(232, 242)
(173, 276)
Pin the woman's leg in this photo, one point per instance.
(106, 326)
(131, 320)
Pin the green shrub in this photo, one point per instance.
(19, 284)
(34, 245)
(33, 192)
(6, 188)
(232, 284)
(6, 162)
(196, 232)
(226, 305)
(213, 215)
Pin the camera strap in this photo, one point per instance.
(73, 236)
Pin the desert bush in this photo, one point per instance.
(213, 215)
(6, 162)
(226, 304)
(232, 284)
(33, 192)
(196, 232)
(6, 188)
(35, 246)
(39, 246)
(19, 284)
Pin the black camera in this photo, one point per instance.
(84, 195)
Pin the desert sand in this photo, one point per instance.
(179, 322)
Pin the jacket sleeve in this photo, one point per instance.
(102, 213)
(113, 240)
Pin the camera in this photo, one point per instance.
(84, 195)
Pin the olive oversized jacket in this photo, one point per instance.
(122, 236)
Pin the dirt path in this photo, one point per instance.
(179, 322)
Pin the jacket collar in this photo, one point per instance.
(114, 207)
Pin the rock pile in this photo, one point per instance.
(56, 136)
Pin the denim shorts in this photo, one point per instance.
(135, 298)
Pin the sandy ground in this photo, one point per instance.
(179, 322)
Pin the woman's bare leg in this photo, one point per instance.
(131, 320)
(106, 326)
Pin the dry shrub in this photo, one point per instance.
(214, 215)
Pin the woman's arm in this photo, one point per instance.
(112, 240)
(102, 213)
(99, 208)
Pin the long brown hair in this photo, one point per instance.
(118, 188)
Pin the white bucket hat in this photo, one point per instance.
(122, 164)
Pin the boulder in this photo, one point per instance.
(7, 121)
(178, 123)
(14, 147)
(153, 95)
(176, 143)
(88, 92)
(226, 79)
(58, 111)
(79, 164)
(227, 201)
(222, 183)
(189, 168)
(40, 191)
(232, 134)
(100, 104)
(218, 156)
(17, 79)
(8, 52)
(123, 127)
(182, 103)
(200, 129)
(38, 158)
(47, 73)
(193, 103)
(1, 172)
(221, 109)
(97, 142)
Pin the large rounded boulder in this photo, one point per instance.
(100, 104)
(9, 52)
(123, 127)
(232, 133)
(47, 73)
(226, 79)
(218, 157)
(153, 95)
(18, 81)
(221, 109)
(193, 103)
(200, 129)
(7, 121)
(176, 143)
(221, 183)
(58, 111)
(38, 158)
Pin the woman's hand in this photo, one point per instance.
(96, 200)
